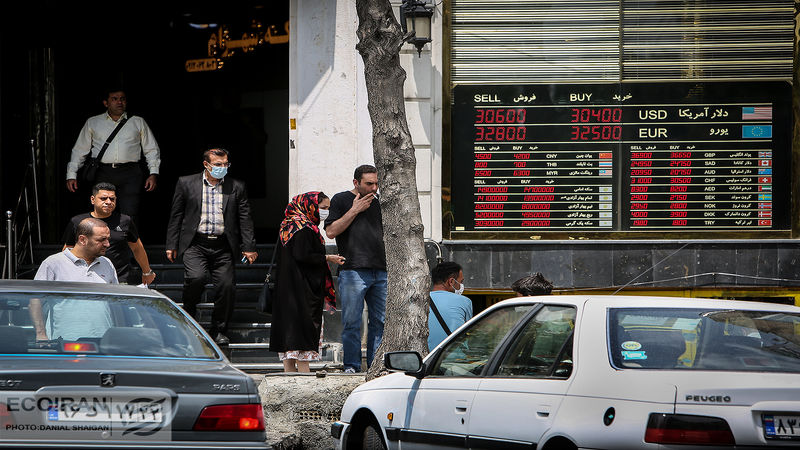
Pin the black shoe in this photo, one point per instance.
(221, 339)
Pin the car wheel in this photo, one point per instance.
(559, 443)
(373, 440)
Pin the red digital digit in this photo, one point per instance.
(480, 133)
(511, 116)
(575, 114)
(500, 116)
(511, 133)
(480, 115)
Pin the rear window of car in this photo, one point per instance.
(97, 325)
(704, 339)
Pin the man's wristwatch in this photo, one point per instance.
(147, 274)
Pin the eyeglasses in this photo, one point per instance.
(220, 164)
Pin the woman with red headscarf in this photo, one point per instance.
(304, 283)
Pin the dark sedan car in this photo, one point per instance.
(97, 365)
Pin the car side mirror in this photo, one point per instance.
(408, 362)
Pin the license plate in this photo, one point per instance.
(781, 426)
(111, 412)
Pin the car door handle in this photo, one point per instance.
(543, 411)
(461, 406)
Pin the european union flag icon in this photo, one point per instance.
(756, 131)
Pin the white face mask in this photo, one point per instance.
(323, 214)
(460, 290)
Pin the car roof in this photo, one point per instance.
(639, 301)
(44, 286)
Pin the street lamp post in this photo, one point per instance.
(416, 18)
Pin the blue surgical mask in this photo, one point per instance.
(218, 172)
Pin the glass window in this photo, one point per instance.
(541, 344)
(467, 354)
(678, 338)
(96, 324)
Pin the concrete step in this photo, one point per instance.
(260, 353)
(278, 367)
(245, 292)
(172, 273)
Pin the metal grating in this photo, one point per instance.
(708, 39)
(539, 41)
(534, 41)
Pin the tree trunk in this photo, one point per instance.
(406, 325)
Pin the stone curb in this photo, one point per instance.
(300, 408)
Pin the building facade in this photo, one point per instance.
(613, 175)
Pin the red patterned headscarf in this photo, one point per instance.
(303, 212)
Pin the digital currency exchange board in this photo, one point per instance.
(622, 157)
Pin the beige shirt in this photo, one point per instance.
(212, 220)
(134, 138)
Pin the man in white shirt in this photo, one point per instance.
(70, 318)
(120, 163)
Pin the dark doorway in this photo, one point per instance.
(145, 47)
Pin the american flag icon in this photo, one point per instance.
(757, 113)
(605, 172)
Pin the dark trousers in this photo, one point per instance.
(129, 181)
(212, 256)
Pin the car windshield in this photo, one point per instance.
(97, 324)
(703, 339)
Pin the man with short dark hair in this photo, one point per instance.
(355, 222)
(83, 262)
(455, 309)
(210, 225)
(120, 163)
(535, 284)
(124, 240)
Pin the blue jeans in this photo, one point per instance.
(356, 287)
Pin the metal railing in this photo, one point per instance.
(23, 223)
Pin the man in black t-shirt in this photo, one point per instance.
(124, 236)
(354, 220)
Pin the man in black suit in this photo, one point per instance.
(210, 225)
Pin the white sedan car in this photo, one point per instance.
(595, 372)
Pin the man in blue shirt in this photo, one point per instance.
(455, 309)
